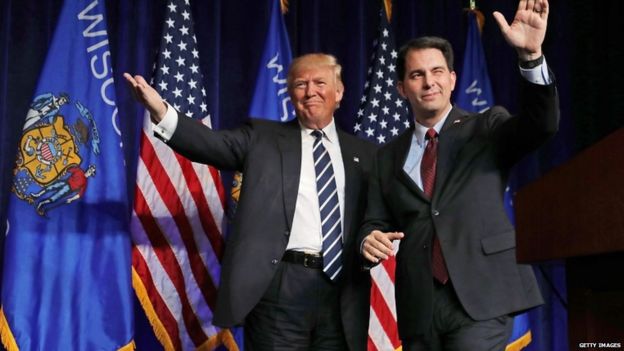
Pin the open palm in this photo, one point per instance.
(528, 28)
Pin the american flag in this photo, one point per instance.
(382, 115)
(178, 212)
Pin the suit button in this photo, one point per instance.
(425, 247)
(287, 232)
(274, 261)
(435, 212)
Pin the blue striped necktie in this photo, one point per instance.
(329, 207)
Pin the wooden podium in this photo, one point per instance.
(576, 213)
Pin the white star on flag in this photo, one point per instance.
(381, 99)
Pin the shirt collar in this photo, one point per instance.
(329, 131)
(420, 130)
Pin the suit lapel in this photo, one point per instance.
(403, 146)
(289, 143)
(448, 146)
(350, 161)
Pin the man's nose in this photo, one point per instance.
(310, 90)
(428, 80)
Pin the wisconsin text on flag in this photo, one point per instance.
(66, 281)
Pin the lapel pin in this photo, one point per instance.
(456, 121)
(356, 159)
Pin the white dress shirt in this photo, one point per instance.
(306, 234)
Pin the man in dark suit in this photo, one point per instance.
(291, 272)
(439, 189)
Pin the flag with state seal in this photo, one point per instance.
(67, 278)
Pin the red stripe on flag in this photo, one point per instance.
(216, 179)
(170, 264)
(162, 311)
(173, 203)
(386, 319)
(210, 228)
(370, 346)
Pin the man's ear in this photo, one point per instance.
(400, 89)
(339, 92)
(453, 80)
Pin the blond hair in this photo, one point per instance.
(315, 60)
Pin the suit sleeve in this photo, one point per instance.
(377, 215)
(225, 149)
(537, 121)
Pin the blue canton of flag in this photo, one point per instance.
(383, 113)
(66, 282)
(475, 95)
(270, 99)
(177, 75)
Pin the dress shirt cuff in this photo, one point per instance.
(537, 75)
(168, 124)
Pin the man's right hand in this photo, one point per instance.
(378, 245)
(147, 96)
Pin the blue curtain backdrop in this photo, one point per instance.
(582, 47)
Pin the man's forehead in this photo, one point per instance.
(312, 71)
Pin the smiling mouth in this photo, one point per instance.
(430, 96)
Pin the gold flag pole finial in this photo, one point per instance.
(284, 6)
(388, 6)
(472, 7)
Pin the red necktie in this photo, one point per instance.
(428, 173)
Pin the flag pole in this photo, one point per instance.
(388, 6)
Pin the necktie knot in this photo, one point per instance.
(431, 134)
(318, 134)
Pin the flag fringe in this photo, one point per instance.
(480, 17)
(224, 337)
(8, 340)
(520, 342)
(159, 328)
(130, 347)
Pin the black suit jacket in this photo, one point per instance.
(269, 155)
(475, 154)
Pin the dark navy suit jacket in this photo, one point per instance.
(475, 154)
(269, 155)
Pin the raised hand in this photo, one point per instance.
(528, 29)
(147, 96)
